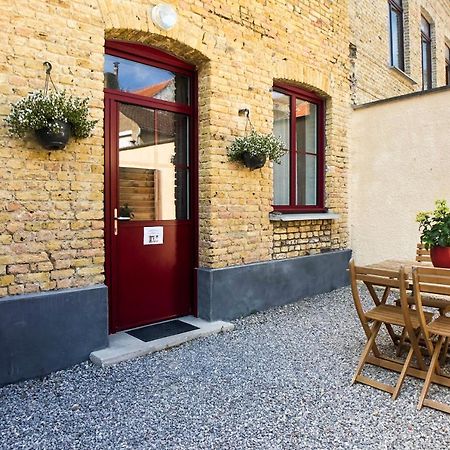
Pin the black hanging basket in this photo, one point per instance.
(54, 141)
(253, 161)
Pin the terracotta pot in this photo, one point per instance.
(54, 141)
(253, 162)
(440, 257)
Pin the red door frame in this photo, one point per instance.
(156, 58)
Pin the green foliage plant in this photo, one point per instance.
(257, 144)
(39, 110)
(435, 226)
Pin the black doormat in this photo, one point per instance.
(161, 330)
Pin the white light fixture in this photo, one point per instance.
(164, 16)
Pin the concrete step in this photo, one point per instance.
(123, 346)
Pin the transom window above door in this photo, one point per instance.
(298, 120)
(149, 81)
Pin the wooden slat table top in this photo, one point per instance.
(395, 264)
(435, 300)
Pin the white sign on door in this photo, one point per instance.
(153, 235)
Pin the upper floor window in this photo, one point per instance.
(298, 119)
(396, 34)
(447, 65)
(425, 29)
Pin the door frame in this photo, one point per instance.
(153, 57)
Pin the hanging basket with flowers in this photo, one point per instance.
(52, 116)
(255, 148)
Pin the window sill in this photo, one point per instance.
(274, 217)
(403, 74)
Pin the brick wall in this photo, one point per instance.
(301, 238)
(51, 203)
(371, 74)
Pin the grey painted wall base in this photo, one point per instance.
(41, 333)
(232, 292)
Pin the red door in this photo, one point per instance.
(150, 185)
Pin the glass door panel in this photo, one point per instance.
(153, 164)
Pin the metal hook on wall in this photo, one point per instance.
(48, 67)
(246, 112)
(48, 77)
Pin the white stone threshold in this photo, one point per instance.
(123, 347)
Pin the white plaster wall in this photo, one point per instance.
(399, 165)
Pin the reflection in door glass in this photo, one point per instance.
(142, 79)
(153, 164)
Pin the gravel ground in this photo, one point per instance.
(280, 380)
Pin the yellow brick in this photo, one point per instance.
(6, 280)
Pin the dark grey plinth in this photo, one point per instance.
(41, 333)
(232, 292)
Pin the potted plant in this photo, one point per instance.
(255, 148)
(435, 233)
(52, 117)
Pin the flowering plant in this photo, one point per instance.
(257, 144)
(435, 226)
(40, 111)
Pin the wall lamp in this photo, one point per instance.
(164, 16)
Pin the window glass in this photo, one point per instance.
(427, 77)
(311, 180)
(425, 27)
(142, 79)
(153, 164)
(394, 38)
(426, 67)
(447, 65)
(306, 123)
(396, 34)
(306, 137)
(281, 129)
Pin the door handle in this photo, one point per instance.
(116, 228)
(116, 219)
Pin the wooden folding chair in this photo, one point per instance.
(387, 314)
(422, 254)
(443, 305)
(432, 280)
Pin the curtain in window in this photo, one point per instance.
(281, 129)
